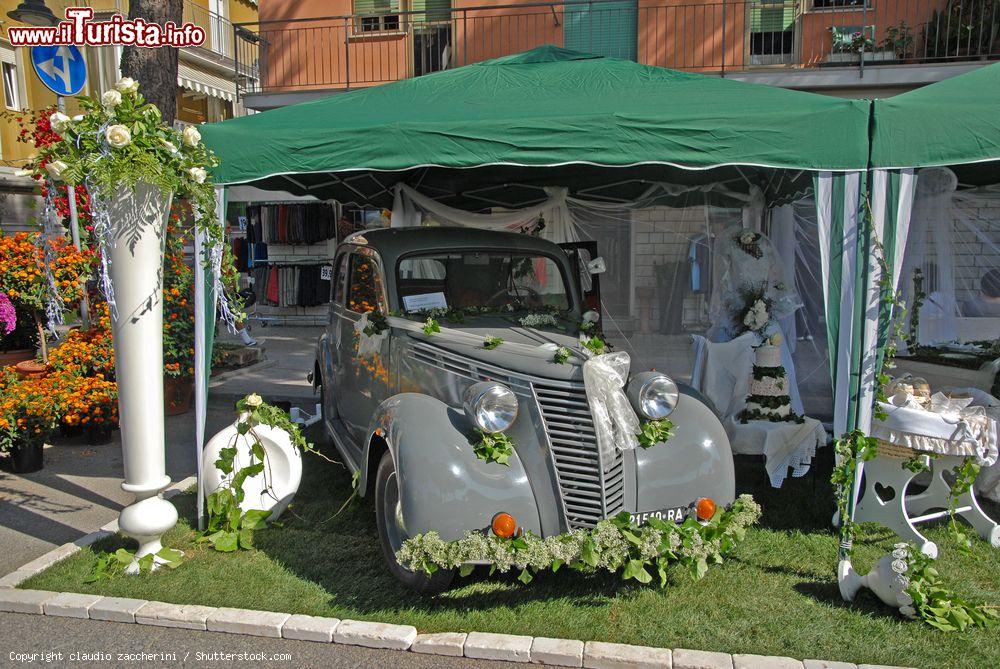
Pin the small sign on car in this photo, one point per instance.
(61, 68)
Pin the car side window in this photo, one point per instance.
(365, 285)
(340, 285)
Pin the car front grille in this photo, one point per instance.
(592, 488)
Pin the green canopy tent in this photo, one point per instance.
(505, 128)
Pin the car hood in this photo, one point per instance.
(542, 366)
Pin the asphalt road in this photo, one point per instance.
(33, 641)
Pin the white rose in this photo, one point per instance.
(170, 146)
(197, 175)
(127, 85)
(748, 237)
(254, 400)
(900, 566)
(77, 118)
(111, 99)
(118, 136)
(55, 169)
(191, 136)
(59, 121)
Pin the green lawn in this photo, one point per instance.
(778, 596)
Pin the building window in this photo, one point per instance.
(11, 93)
(376, 15)
(772, 31)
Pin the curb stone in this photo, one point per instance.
(70, 605)
(507, 647)
(765, 662)
(701, 659)
(116, 609)
(245, 621)
(512, 648)
(375, 635)
(559, 652)
(442, 643)
(602, 655)
(184, 616)
(309, 628)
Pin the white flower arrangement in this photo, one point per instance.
(757, 316)
(748, 237)
(120, 141)
(538, 320)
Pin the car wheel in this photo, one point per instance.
(391, 537)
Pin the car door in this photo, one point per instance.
(363, 382)
(331, 357)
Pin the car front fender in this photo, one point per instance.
(697, 461)
(443, 486)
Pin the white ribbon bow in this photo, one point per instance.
(615, 422)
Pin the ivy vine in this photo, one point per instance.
(654, 432)
(850, 449)
(933, 602)
(112, 565)
(494, 447)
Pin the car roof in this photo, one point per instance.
(391, 243)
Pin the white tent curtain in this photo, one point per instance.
(954, 248)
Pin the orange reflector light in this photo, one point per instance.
(504, 525)
(705, 508)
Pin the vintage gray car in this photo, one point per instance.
(405, 408)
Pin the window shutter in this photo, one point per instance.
(375, 7)
(431, 10)
(772, 16)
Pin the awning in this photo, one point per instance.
(204, 82)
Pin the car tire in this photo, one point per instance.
(389, 540)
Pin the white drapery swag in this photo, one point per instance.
(562, 212)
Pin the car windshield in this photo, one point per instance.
(481, 279)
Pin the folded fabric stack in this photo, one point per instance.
(768, 397)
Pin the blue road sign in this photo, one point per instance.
(61, 68)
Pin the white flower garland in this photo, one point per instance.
(615, 544)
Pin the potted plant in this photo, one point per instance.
(898, 40)
(31, 289)
(178, 324)
(848, 45)
(27, 417)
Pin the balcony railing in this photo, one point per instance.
(715, 36)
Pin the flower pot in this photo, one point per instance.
(9, 358)
(178, 392)
(97, 435)
(23, 458)
(31, 369)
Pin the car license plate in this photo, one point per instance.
(676, 515)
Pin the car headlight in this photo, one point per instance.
(653, 395)
(490, 406)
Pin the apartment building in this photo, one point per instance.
(205, 87)
(301, 49)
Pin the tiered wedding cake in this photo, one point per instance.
(768, 398)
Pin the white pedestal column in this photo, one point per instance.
(136, 269)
